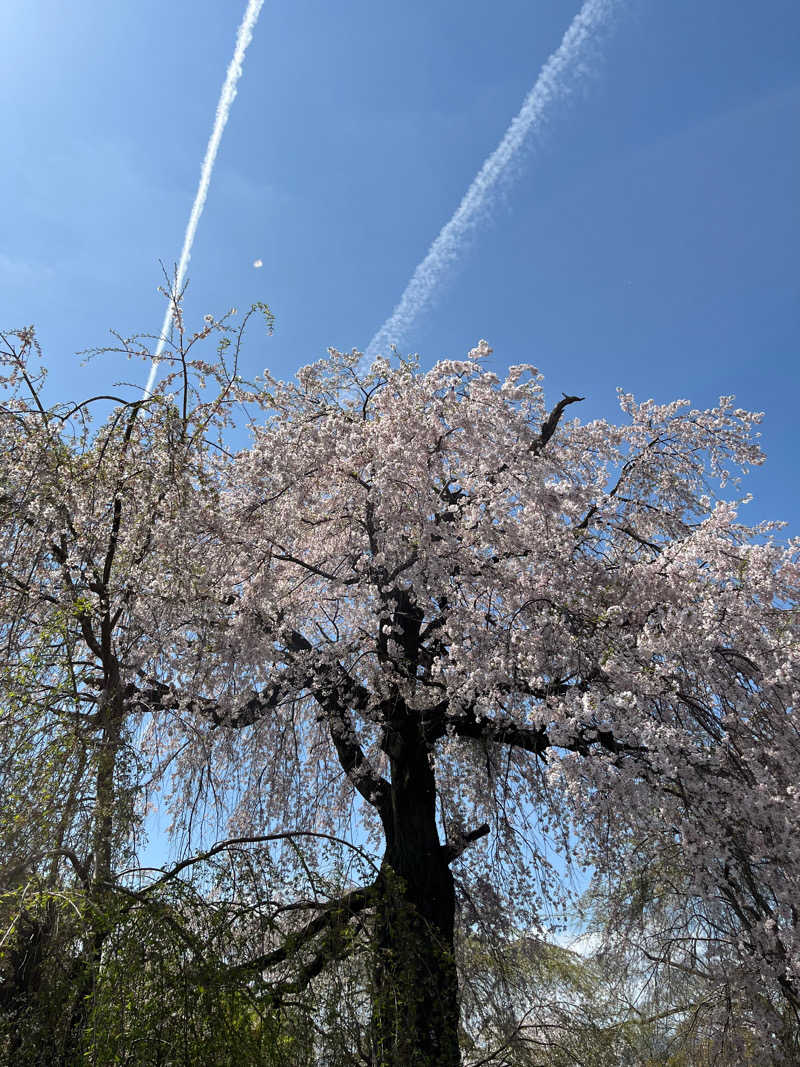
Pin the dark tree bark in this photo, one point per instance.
(415, 1006)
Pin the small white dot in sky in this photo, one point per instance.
(258, 263)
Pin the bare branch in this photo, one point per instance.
(551, 422)
(453, 849)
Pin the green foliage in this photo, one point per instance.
(156, 998)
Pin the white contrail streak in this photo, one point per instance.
(565, 68)
(244, 36)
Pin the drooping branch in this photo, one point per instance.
(326, 681)
(257, 839)
(334, 916)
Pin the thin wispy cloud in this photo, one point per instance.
(23, 269)
(566, 68)
(244, 36)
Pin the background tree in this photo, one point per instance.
(88, 514)
(675, 958)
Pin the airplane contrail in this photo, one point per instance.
(244, 36)
(565, 68)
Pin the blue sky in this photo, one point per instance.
(648, 240)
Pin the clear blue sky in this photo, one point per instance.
(649, 241)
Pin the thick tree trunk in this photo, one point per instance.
(415, 1005)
